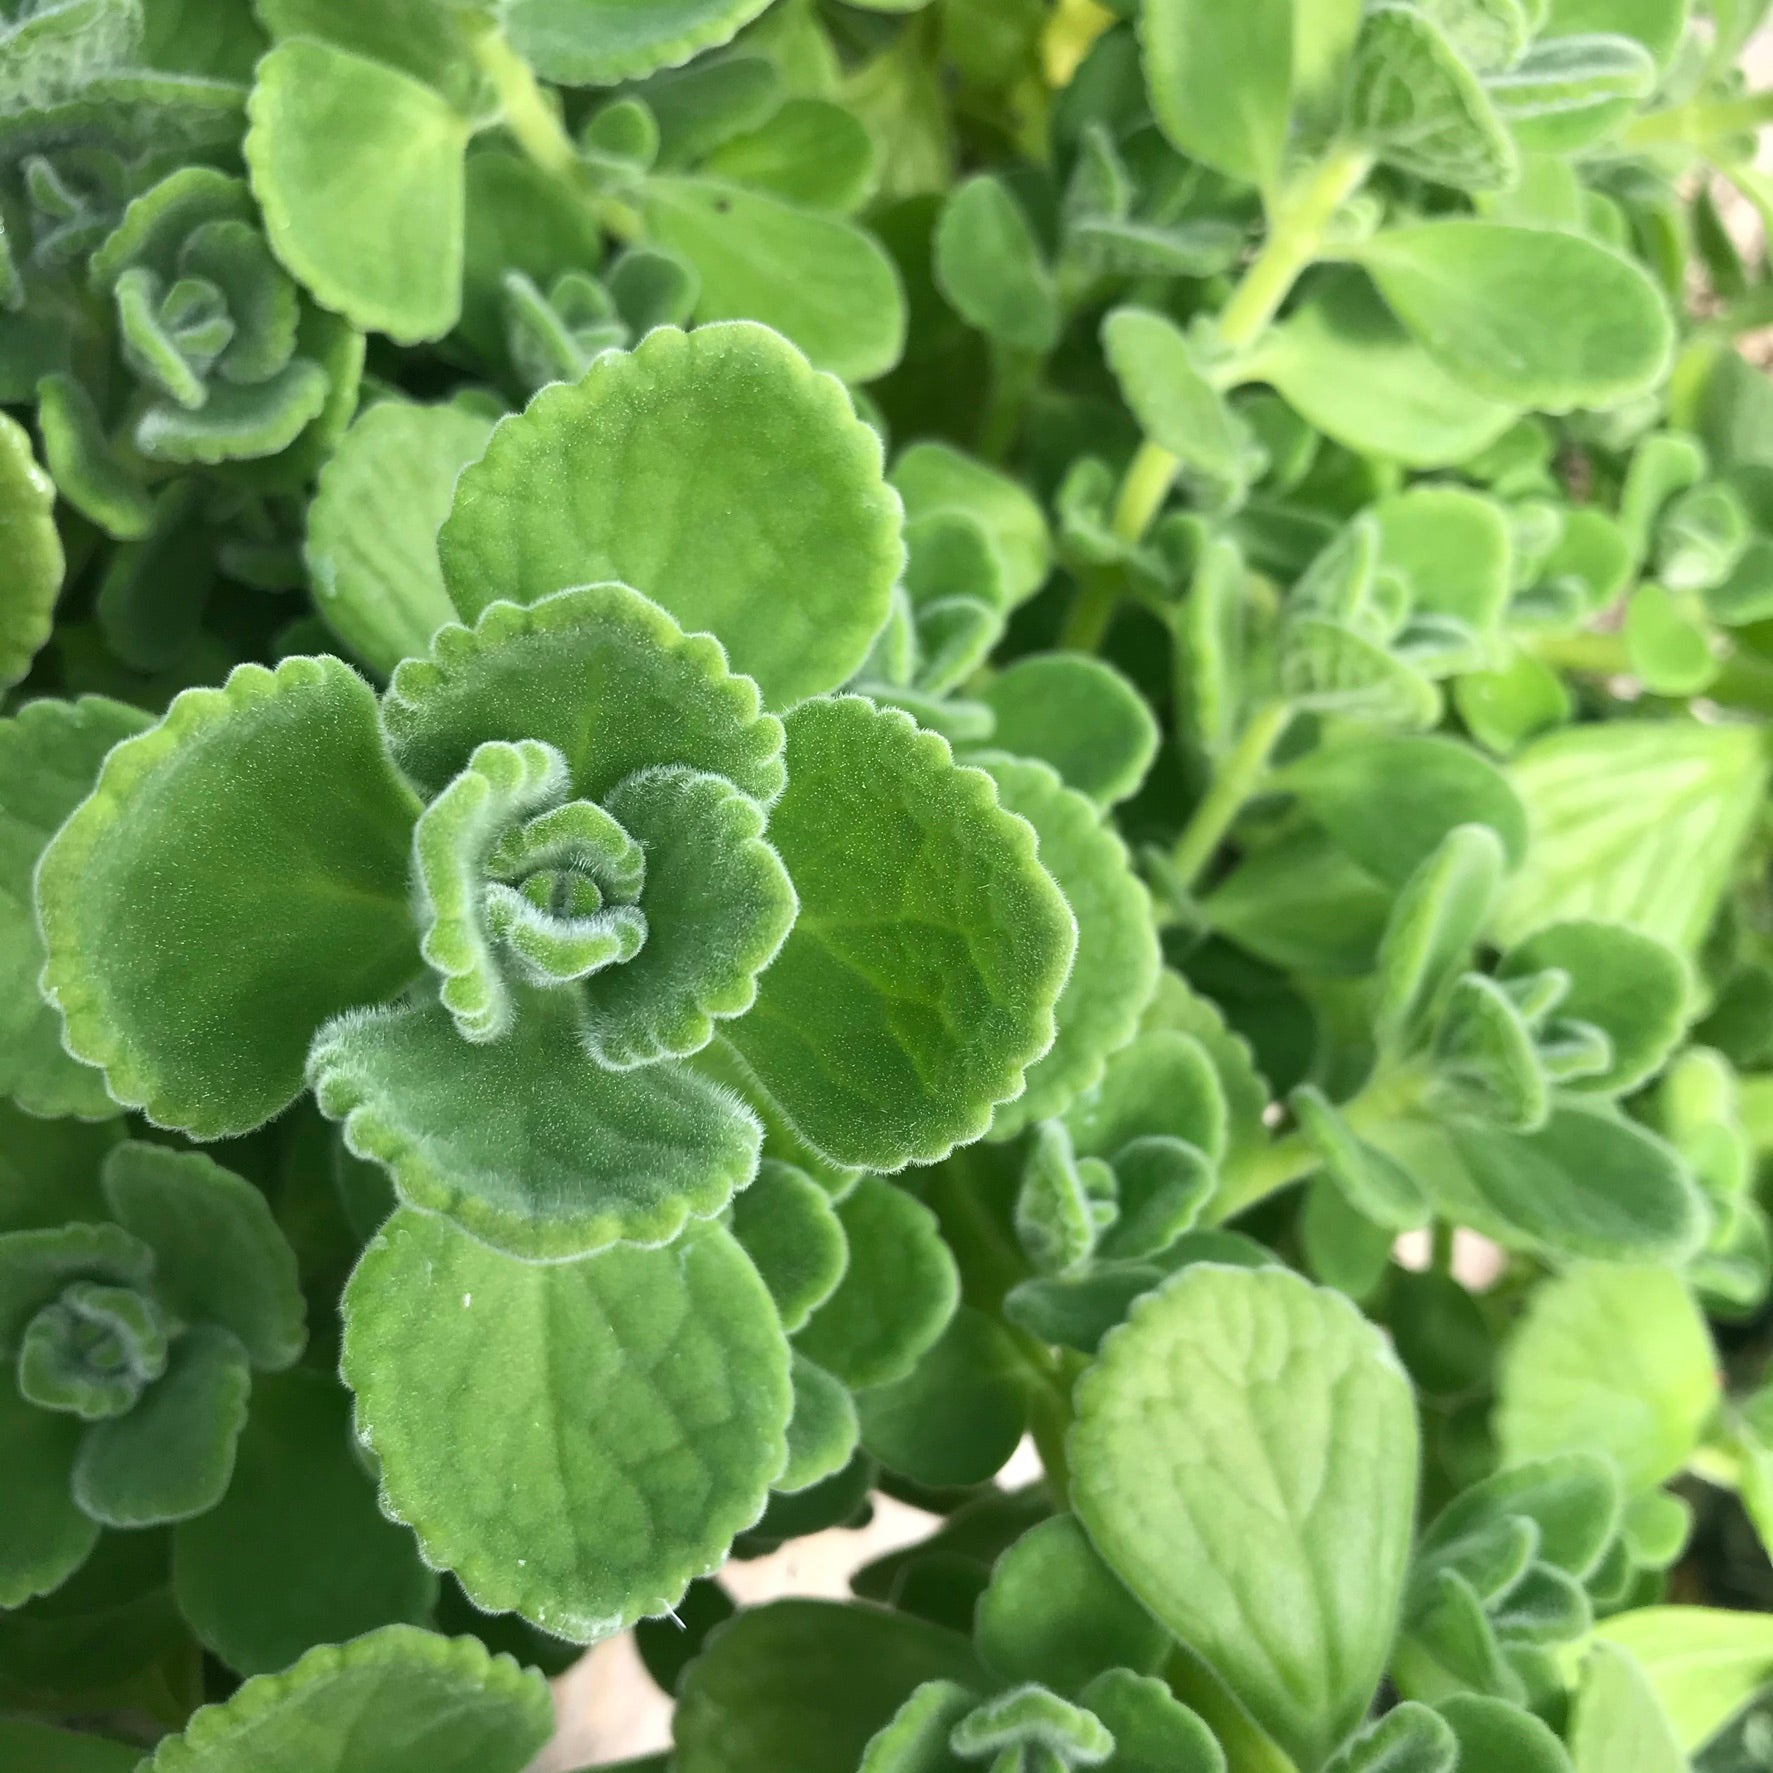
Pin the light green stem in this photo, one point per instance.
(1234, 782)
(1702, 121)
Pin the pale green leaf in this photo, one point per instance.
(622, 1506)
(1080, 715)
(1244, 1457)
(935, 478)
(613, 40)
(31, 548)
(989, 266)
(790, 1230)
(1220, 79)
(810, 152)
(1619, 1724)
(713, 471)
(1703, 1663)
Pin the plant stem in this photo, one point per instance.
(1233, 784)
(1704, 120)
(1744, 679)
(1092, 609)
(536, 127)
(1440, 1249)
(1014, 376)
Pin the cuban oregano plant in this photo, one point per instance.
(1008, 753)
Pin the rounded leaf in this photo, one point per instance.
(237, 876)
(32, 549)
(1078, 714)
(616, 40)
(399, 1700)
(1244, 1458)
(715, 471)
(919, 980)
(621, 1505)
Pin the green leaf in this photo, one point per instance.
(358, 168)
(170, 1457)
(1454, 548)
(1220, 80)
(1153, 1732)
(1331, 667)
(1030, 1725)
(1620, 1726)
(1390, 802)
(822, 1428)
(622, 1507)
(399, 1700)
(40, 1748)
(1344, 362)
(620, 39)
(811, 152)
(916, 1738)
(990, 268)
(1416, 104)
(1632, 822)
(918, 983)
(49, 1170)
(1078, 714)
(806, 1684)
(1545, 319)
(790, 1230)
(275, 832)
(219, 1257)
(50, 754)
(1703, 1663)
(1176, 406)
(1436, 922)
(1567, 93)
(1408, 1739)
(1117, 958)
(32, 549)
(817, 279)
(1657, 24)
(785, 544)
(44, 1536)
(1586, 1183)
(895, 1298)
(1610, 1360)
(1378, 1188)
(297, 1552)
(529, 1142)
(89, 470)
(1668, 642)
(1055, 1613)
(934, 478)
(958, 1415)
(1495, 1733)
(372, 528)
(1633, 989)
(1244, 1458)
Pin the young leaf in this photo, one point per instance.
(45, 1537)
(934, 478)
(1284, 1573)
(619, 41)
(1220, 80)
(33, 551)
(1568, 92)
(275, 832)
(1454, 548)
(1657, 24)
(399, 1699)
(1055, 1613)
(1493, 1733)
(896, 1296)
(822, 1428)
(817, 279)
(794, 578)
(811, 152)
(372, 528)
(1620, 1726)
(990, 267)
(1408, 1739)
(358, 168)
(1176, 406)
(1703, 1663)
(1153, 1731)
(297, 1552)
(1610, 1360)
(885, 1049)
(1523, 315)
(790, 1230)
(50, 754)
(621, 1509)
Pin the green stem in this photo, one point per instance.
(1014, 376)
(536, 127)
(1049, 1411)
(1143, 491)
(1234, 782)
(1092, 609)
(1704, 120)
(1744, 679)
(1440, 1249)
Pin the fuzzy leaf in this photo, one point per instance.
(372, 528)
(1055, 1613)
(781, 541)
(1703, 1663)
(529, 1142)
(820, 281)
(1610, 1360)
(896, 1296)
(1153, 1731)
(297, 1552)
(990, 268)
(358, 168)
(44, 1536)
(918, 983)
(806, 1684)
(170, 1457)
(790, 1230)
(620, 39)
(1244, 1458)
(1454, 548)
(89, 470)
(1117, 959)
(811, 152)
(219, 1257)
(275, 832)
(50, 754)
(1548, 319)
(934, 478)
(1078, 714)
(1619, 1724)
(1178, 409)
(1220, 80)
(822, 1428)
(1567, 93)
(1408, 1739)
(32, 550)
(399, 1700)
(622, 1507)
